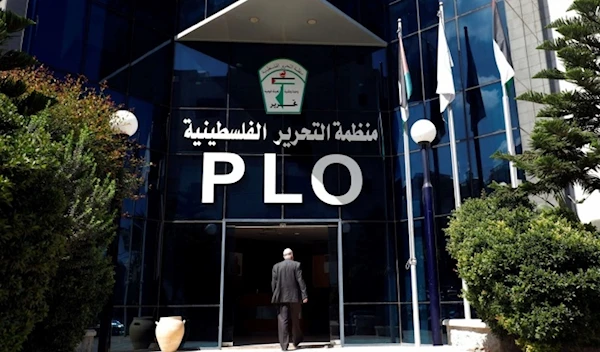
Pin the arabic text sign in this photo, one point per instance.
(282, 82)
(252, 131)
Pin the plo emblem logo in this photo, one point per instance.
(282, 82)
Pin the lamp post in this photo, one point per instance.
(124, 123)
(423, 132)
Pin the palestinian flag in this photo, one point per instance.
(404, 81)
(501, 50)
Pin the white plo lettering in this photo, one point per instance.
(210, 179)
(356, 179)
(270, 193)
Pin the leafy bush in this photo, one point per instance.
(532, 274)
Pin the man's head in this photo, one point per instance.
(288, 254)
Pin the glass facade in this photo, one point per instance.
(169, 238)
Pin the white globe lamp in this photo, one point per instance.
(423, 131)
(125, 122)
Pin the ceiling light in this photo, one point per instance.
(254, 19)
(311, 21)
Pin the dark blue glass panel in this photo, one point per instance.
(450, 282)
(200, 76)
(465, 6)
(121, 271)
(121, 6)
(479, 64)
(144, 112)
(428, 13)
(245, 91)
(440, 163)
(201, 325)
(358, 78)
(406, 10)
(369, 13)
(214, 6)
(415, 113)
(117, 97)
(270, 126)
(61, 23)
(190, 12)
(191, 264)
(408, 329)
(108, 44)
(320, 87)
(372, 203)
(484, 110)
(411, 47)
(149, 203)
(156, 14)
(317, 123)
(151, 270)
(151, 77)
(440, 121)
(184, 190)
(369, 263)
(360, 124)
(297, 179)
(134, 272)
(491, 169)
(245, 199)
(197, 120)
(146, 39)
(371, 324)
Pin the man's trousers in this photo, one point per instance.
(288, 322)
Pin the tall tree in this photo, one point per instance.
(566, 137)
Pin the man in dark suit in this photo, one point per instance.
(289, 292)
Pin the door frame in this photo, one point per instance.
(232, 222)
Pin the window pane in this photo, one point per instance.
(151, 77)
(372, 203)
(245, 199)
(357, 75)
(184, 190)
(470, 5)
(485, 111)
(479, 64)
(123, 260)
(190, 12)
(450, 282)
(406, 10)
(369, 263)
(413, 57)
(269, 132)
(371, 324)
(200, 75)
(150, 204)
(298, 178)
(191, 264)
(404, 256)
(491, 169)
(151, 274)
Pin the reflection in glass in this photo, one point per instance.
(450, 283)
(123, 239)
(190, 12)
(406, 10)
(150, 269)
(245, 199)
(184, 190)
(476, 37)
(371, 324)
(413, 57)
(470, 5)
(369, 263)
(191, 264)
(357, 75)
(134, 272)
(408, 330)
(416, 112)
(200, 75)
(297, 179)
(404, 256)
(153, 87)
(120, 340)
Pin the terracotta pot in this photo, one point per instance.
(169, 333)
(141, 332)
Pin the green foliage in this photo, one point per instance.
(32, 222)
(565, 140)
(532, 274)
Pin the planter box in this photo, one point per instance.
(474, 335)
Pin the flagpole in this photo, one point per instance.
(412, 261)
(411, 232)
(447, 91)
(457, 195)
(510, 142)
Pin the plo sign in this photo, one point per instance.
(282, 83)
(270, 195)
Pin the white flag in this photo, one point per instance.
(445, 80)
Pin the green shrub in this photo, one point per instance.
(532, 274)
(32, 222)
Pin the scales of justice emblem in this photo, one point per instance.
(282, 82)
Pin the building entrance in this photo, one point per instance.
(251, 251)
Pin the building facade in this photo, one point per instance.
(184, 65)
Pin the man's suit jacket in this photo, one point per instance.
(287, 283)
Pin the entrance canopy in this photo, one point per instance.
(315, 22)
